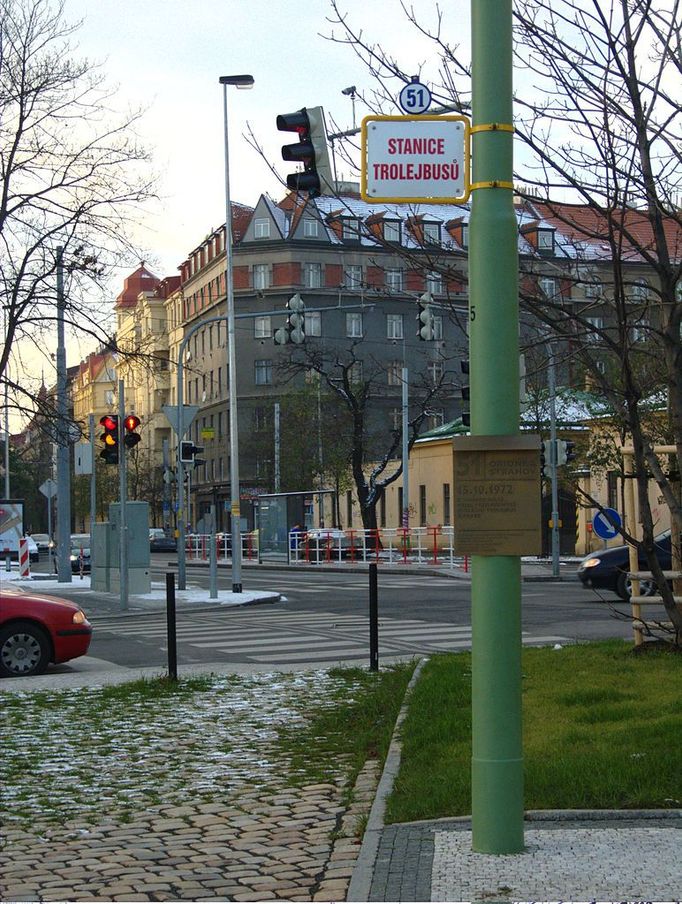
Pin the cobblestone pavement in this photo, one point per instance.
(297, 844)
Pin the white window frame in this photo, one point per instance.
(394, 279)
(395, 371)
(392, 231)
(437, 324)
(352, 276)
(262, 371)
(356, 372)
(434, 282)
(431, 232)
(395, 326)
(262, 327)
(261, 228)
(436, 371)
(350, 228)
(311, 228)
(313, 323)
(549, 285)
(598, 323)
(261, 276)
(354, 325)
(312, 275)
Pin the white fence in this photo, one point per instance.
(320, 546)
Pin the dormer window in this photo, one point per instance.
(310, 228)
(546, 241)
(432, 233)
(391, 231)
(351, 228)
(261, 229)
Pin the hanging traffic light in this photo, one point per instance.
(465, 390)
(131, 423)
(110, 439)
(310, 150)
(425, 318)
(294, 328)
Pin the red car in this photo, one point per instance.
(36, 630)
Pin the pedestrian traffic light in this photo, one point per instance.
(466, 394)
(110, 439)
(310, 150)
(294, 328)
(425, 318)
(189, 452)
(131, 423)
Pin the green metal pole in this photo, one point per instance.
(497, 756)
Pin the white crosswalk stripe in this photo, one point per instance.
(298, 636)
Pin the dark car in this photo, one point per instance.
(163, 544)
(608, 569)
(36, 630)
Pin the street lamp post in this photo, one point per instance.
(239, 81)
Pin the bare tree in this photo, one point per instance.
(72, 177)
(598, 126)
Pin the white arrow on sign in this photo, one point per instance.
(189, 412)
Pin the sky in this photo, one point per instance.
(167, 56)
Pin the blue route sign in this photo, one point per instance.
(415, 98)
(603, 526)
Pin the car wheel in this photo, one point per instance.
(624, 587)
(24, 650)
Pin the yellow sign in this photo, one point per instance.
(497, 497)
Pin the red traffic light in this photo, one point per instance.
(132, 422)
(109, 422)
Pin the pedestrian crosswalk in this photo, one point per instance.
(281, 638)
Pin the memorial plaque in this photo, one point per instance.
(497, 496)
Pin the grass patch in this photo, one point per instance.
(601, 729)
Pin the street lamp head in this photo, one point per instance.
(239, 81)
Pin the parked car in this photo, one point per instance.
(608, 569)
(36, 630)
(159, 542)
(43, 542)
(80, 553)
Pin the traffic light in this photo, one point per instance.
(466, 394)
(425, 318)
(131, 438)
(565, 452)
(294, 328)
(310, 150)
(110, 439)
(189, 452)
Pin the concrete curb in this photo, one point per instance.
(361, 880)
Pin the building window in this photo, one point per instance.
(354, 325)
(395, 370)
(431, 233)
(436, 419)
(396, 419)
(391, 231)
(263, 372)
(436, 371)
(262, 327)
(422, 504)
(465, 235)
(260, 419)
(351, 228)
(434, 283)
(355, 372)
(393, 278)
(310, 228)
(594, 288)
(220, 381)
(446, 503)
(261, 276)
(546, 240)
(352, 277)
(595, 325)
(261, 229)
(640, 332)
(312, 276)
(313, 323)
(394, 326)
(548, 286)
(612, 490)
(437, 326)
(639, 291)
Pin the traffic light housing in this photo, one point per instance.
(131, 438)
(565, 452)
(110, 439)
(425, 318)
(294, 328)
(311, 150)
(466, 394)
(189, 452)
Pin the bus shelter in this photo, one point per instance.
(276, 515)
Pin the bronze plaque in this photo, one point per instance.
(497, 497)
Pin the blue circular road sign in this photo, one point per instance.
(603, 526)
(415, 98)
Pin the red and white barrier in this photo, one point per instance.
(24, 559)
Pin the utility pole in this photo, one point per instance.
(497, 758)
(277, 449)
(123, 495)
(93, 479)
(553, 470)
(62, 437)
(406, 453)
